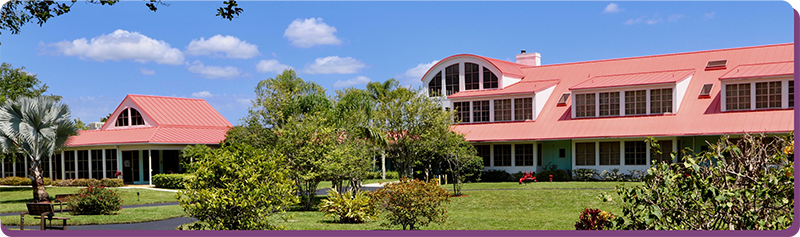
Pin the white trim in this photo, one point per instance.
(752, 81)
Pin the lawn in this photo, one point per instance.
(126, 215)
(13, 199)
(497, 206)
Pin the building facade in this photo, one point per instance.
(524, 116)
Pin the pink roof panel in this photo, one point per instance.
(760, 70)
(522, 87)
(634, 79)
(180, 111)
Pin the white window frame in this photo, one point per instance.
(622, 91)
(752, 81)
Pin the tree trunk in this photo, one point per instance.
(37, 182)
(383, 164)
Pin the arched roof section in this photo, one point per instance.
(505, 67)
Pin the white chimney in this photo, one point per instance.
(529, 59)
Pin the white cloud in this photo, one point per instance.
(271, 65)
(202, 94)
(710, 15)
(145, 71)
(420, 70)
(613, 8)
(645, 19)
(244, 101)
(334, 64)
(213, 72)
(121, 45)
(360, 80)
(675, 17)
(310, 32)
(231, 46)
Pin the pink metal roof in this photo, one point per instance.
(695, 116)
(505, 67)
(760, 70)
(178, 121)
(523, 87)
(634, 79)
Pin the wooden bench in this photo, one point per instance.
(61, 199)
(43, 211)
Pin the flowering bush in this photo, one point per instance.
(95, 200)
(593, 219)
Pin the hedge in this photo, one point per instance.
(172, 181)
(22, 181)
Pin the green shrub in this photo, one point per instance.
(85, 182)
(413, 203)
(744, 185)
(349, 207)
(112, 182)
(172, 181)
(594, 219)
(21, 181)
(558, 175)
(613, 175)
(496, 176)
(584, 174)
(95, 200)
(392, 175)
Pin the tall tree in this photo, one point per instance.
(286, 96)
(35, 127)
(16, 13)
(16, 82)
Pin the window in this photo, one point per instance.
(83, 164)
(539, 154)
(609, 153)
(122, 120)
(768, 95)
(635, 102)
(562, 153)
(489, 79)
(609, 104)
(584, 153)
(635, 153)
(480, 111)
(584, 105)
(502, 110)
(523, 154)
(706, 90)
(791, 94)
(483, 152)
(502, 155)
(462, 111)
(136, 117)
(97, 164)
(737, 96)
(563, 99)
(661, 101)
(111, 162)
(523, 109)
(666, 149)
(451, 79)
(471, 79)
(435, 86)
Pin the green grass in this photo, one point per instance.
(126, 215)
(13, 199)
(496, 206)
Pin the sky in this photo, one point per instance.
(95, 55)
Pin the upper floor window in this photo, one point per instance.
(502, 110)
(462, 111)
(791, 94)
(435, 86)
(661, 101)
(636, 102)
(758, 94)
(768, 95)
(471, 76)
(489, 79)
(517, 109)
(136, 117)
(523, 109)
(122, 120)
(737, 96)
(609, 104)
(584, 105)
(480, 111)
(451, 79)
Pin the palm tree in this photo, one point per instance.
(36, 128)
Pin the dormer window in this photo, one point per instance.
(435, 86)
(451, 79)
(136, 117)
(471, 76)
(489, 79)
(122, 120)
(129, 117)
(758, 86)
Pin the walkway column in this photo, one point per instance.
(90, 164)
(104, 164)
(50, 166)
(150, 166)
(76, 164)
(62, 166)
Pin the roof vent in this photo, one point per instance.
(705, 92)
(563, 100)
(716, 64)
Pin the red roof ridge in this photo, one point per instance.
(153, 135)
(126, 128)
(194, 126)
(764, 63)
(535, 80)
(164, 97)
(659, 55)
(634, 73)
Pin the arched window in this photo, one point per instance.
(435, 86)
(136, 117)
(471, 79)
(122, 120)
(489, 79)
(451, 79)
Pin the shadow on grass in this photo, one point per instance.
(12, 189)
(336, 222)
(317, 201)
(13, 201)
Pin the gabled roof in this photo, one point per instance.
(523, 87)
(695, 116)
(177, 121)
(772, 69)
(634, 79)
(505, 67)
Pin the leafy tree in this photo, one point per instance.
(191, 154)
(413, 203)
(349, 160)
(16, 82)
(35, 127)
(79, 124)
(16, 13)
(462, 160)
(742, 185)
(104, 119)
(286, 96)
(238, 188)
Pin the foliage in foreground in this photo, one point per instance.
(172, 181)
(238, 188)
(350, 207)
(737, 185)
(593, 219)
(95, 200)
(413, 203)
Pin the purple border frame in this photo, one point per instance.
(791, 231)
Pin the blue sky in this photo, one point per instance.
(95, 55)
